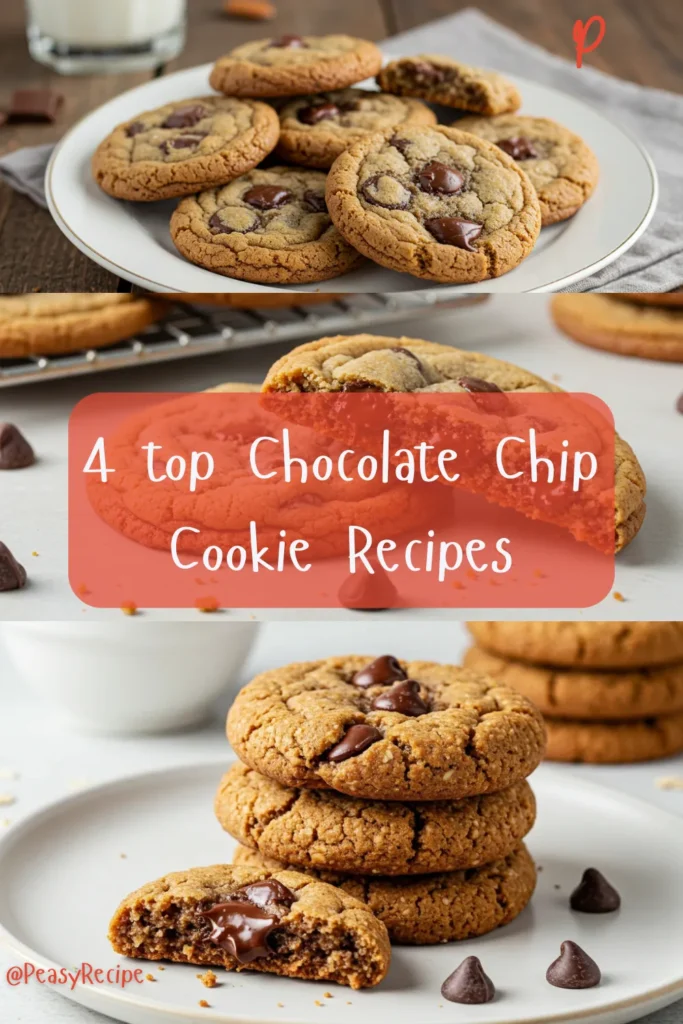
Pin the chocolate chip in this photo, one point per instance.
(369, 592)
(379, 672)
(34, 105)
(314, 114)
(411, 355)
(385, 191)
(357, 739)
(454, 231)
(289, 42)
(185, 117)
(241, 928)
(400, 144)
(519, 148)
(217, 225)
(15, 451)
(267, 197)
(477, 386)
(12, 575)
(679, 404)
(316, 201)
(438, 179)
(468, 984)
(594, 894)
(426, 74)
(403, 697)
(190, 141)
(267, 892)
(573, 968)
(134, 129)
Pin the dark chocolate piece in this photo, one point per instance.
(573, 968)
(356, 739)
(15, 451)
(594, 894)
(468, 984)
(403, 697)
(379, 672)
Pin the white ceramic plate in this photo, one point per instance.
(133, 239)
(62, 876)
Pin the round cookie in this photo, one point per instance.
(184, 147)
(604, 321)
(314, 130)
(294, 65)
(604, 645)
(597, 696)
(269, 226)
(344, 724)
(55, 324)
(324, 829)
(434, 202)
(244, 300)
(368, 362)
(442, 80)
(561, 167)
(614, 742)
(447, 907)
(653, 298)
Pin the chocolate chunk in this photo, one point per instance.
(357, 739)
(289, 42)
(322, 112)
(573, 968)
(400, 144)
(438, 179)
(679, 404)
(241, 928)
(267, 197)
(519, 148)
(411, 355)
(12, 575)
(594, 894)
(135, 128)
(265, 893)
(34, 105)
(15, 451)
(218, 227)
(385, 191)
(183, 142)
(316, 201)
(426, 74)
(369, 592)
(468, 984)
(403, 697)
(185, 117)
(477, 386)
(379, 672)
(454, 231)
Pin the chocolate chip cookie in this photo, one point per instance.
(292, 65)
(434, 202)
(607, 322)
(314, 130)
(561, 167)
(448, 907)
(653, 298)
(55, 324)
(268, 226)
(610, 645)
(450, 83)
(385, 730)
(184, 147)
(366, 362)
(579, 693)
(626, 742)
(324, 829)
(254, 919)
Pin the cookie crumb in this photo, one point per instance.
(281, 1005)
(252, 10)
(318, 1003)
(204, 1005)
(150, 977)
(618, 596)
(6, 799)
(8, 774)
(328, 995)
(208, 980)
(82, 590)
(669, 782)
(160, 968)
(207, 605)
(556, 886)
(123, 856)
(129, 608)
(35, 554)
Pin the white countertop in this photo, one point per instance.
(50, 762)
(642, 395)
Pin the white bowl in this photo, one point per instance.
(120, 678)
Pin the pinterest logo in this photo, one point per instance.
(580, 35)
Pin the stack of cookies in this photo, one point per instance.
(610, 692)
(402, 783)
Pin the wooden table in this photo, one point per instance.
(642, 44)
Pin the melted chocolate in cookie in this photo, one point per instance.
(243, 924)
(357, 739)
(135, 129)
(185, 117)
(190, 141)
(267, 197)
(403, 697)
(438, 179)
(321, 112)
(289, 42)
(316, 201)
(519, 148)
(426, 74)
(477, 386)
(385, 191)
(454, 231)
(379, 672)
(217, 226)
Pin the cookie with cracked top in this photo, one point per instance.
(323, 829)
(618, 742)
(608, 322)
(293, 65)
(450, 83)
(349, 724)
(268, 226)
(184, 147)
(561, 167)
(435, 202)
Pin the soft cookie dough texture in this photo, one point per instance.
(294, 65)
(434, 202)
(451, 83)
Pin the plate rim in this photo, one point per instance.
(110, 997)
(160, 288)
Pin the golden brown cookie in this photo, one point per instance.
(314, 130)
(561, 167)
(434, 202)
(572, 693)
(442, 80)
(448, 907)
(625, 742)
(54, 324)
(611, 645)
(653, 298)
(254, 919)
(292, 65)
(324, 829)
(246, 300)
(605, 321)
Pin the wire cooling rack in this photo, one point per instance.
(195, 330)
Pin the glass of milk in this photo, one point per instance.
(90, 36)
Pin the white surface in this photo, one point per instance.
(120, 23)
(50, 764)
(642, 395)
(133, 239)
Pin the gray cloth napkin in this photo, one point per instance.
(25, 170)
